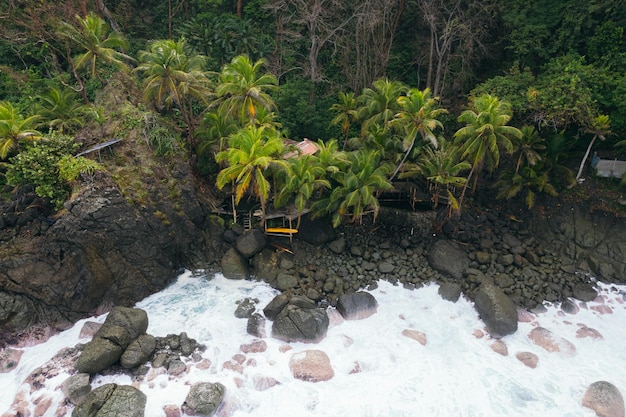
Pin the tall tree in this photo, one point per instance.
(173, 78)
(379, 104)
(600, 128)
(60, 110)
(484, 133)
(101, 45)
(347, 114)
(243, 88)
(252, 152)
(418, 118)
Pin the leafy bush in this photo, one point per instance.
(72, 167)
(38, 164)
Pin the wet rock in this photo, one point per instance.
(275, 306)
(134, 320)
(544, 338)
(450, 291)
(102, 352)
(112, 400)
(500, 347)
(250, 243)
(203, 399)
(138, 351)
(416, 335)
(311, 366)
(266, 265)
(584, 292)
(256, 325)
(286, 281)
(295, 324)
(357, 306)
(447, 258)
(605, 399)
(234, 265)
(497, 310)
(245, 308)
(256, 346)
(528, 358)
(76, 387)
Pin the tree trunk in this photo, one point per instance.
(239, 8)
(582, 163)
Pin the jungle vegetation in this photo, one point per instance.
(502, 97)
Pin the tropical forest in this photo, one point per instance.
(502, 100)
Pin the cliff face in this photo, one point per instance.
(103, 250)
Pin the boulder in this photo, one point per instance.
(102, 352)
(134, 320)
(256, 325)
(76, 388)
(286, 281)
(273, 309)
(16, 313)
(266, 265)
(112, 400)
(311, 366)
(450, 291)
(138, 351)
(528, 358)
(357, 306)
(250, 243)
(497, 310)
(234, 265)
(295, 324)
(203, 399)
(338, 245)
(315, 232)
(605, 399)
(245, 308)
(447, 258)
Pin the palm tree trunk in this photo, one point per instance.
(469, 177)
(403, 160)
(582, 163)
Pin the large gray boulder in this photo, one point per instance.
(296, 324)
(496, 309)
(447, 258)
(203, 399)
(76, 387)
(250, 243)
(234, 265)
(104, 350)
(316, 232)
(134, 320)
(138, 351)
(112, 400)
(356, 306)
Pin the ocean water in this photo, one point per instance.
(378, 372)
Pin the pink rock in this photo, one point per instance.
(311, 366)
(585, 331)
(9, 358)
(356, 369)
(251, 362)
(478, 334)
(171, 410)
(203, 364)
(42, 405)
(261, 383)
(233, 366)
(35, 335)
(254, 347)
(605, 399)
(415, 335)
(284, 348)
(89, 329)
(525, 316)
(334, 317)
(500, 347)
(602, 309)
(544, 338)
(61, 411)
(239, 358)
(154, 372)
(527, 358)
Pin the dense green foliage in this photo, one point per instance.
(437, 91)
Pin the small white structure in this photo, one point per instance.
(608, 168)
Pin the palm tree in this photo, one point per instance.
(380, 103)
(346, 110)
(60, 110)
(14, 128)
(531, 179)
(418, 116)
(215, 127)
(527, 146)
(252, 151)
(330, 158)
(441, 167)
(356, 189)
(485, 132)
(242, 88)
(303, 177)
(173, 78)
(600, 128)
(100, 45)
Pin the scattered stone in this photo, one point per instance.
(585, 331)
(448, 259)
(527, 358)
(261, 383)
(338, 245)
(386, 267)
(605, 399)
(311, 366)
(525, 316)
(544, 338)
(357, 306)
(500, 347)
(171, 410)
(112, 400)
(176, 367)
(245, 308)
(296, 324)
(415, 335)
(256, 346)
(76, 387)
(286, 281)
(497, 310)
(569, 307)
(203, 399)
